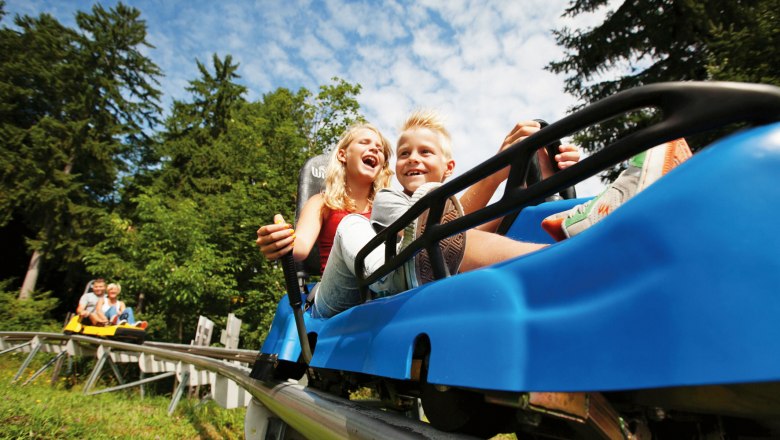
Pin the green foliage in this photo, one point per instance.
(330, 113)
(73, 103)
(188, 242)
(744, 51)
(33, 314)
(180, 226)
(664, 40)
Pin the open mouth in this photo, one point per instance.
(414, 173)
(371, 161)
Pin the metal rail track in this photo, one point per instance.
(312, 413)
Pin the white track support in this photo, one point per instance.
(257, 421)
(122, 357)
(7, 348)
(229, 336)
(95, 374)
(228, 394)
(197, 377)
(149, 363)
(204, 332)
(76, 349)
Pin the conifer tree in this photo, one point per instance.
(73, 106)
(643, 42)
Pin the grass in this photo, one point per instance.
(41, 411)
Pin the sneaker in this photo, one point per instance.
(141, 324)
(453, 248)
(643, 169)
(121, 322)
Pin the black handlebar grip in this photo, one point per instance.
(552, 150)
(291, 281)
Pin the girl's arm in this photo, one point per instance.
(120, 305)
(308, 227)
(277, 239)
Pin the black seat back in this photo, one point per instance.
(311, 181)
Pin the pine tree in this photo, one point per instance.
(73, 106)
(644, 42)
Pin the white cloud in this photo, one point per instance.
(480, 63)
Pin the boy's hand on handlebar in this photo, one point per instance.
(520, 131)
(277, 239)
(568, 156)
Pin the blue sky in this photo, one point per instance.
(479, 63)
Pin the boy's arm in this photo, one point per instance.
(478, 195)
(389, 204)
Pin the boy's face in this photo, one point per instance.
(421, 159)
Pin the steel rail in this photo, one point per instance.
(312, 413)
(241, 355)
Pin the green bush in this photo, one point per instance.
(33, 314)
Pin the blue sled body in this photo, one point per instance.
(679, 286)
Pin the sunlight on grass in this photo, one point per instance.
(41, 411)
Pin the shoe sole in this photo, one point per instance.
(453, 248)
(656, 165)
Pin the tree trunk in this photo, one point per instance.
(31, 278)
(34, 268)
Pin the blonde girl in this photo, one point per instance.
(114, 310)
(358, 168)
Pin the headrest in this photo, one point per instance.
(311, 181)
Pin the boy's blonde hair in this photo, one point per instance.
(335, 194)
(432, 121)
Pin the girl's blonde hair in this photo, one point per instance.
(335, 194)
(432, 121)
(114, 286)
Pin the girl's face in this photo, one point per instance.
(364, 157)
(113, 292)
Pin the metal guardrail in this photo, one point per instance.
(312, 413)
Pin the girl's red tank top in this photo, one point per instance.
(328, 232)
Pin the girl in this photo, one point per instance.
(115, 311)
(358, 168)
